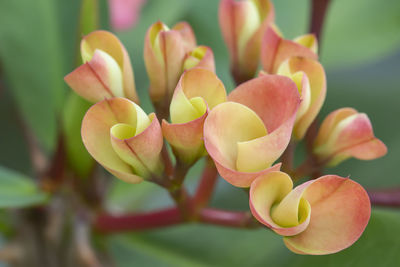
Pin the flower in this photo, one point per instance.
(242, 24)
(346, 133)
(124, 13)
(164, 54)
(107, 70)
(309, 76)
(198, 91)
(321, 216)
(122, 138)
(200, 57)
(246, 136)
(275, 49)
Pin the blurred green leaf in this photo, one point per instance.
(17, 190)
(360, 31)
(78, 157)
(31, 59)
(89, 19)
(201, 245)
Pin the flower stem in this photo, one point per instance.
(236, 219)
(206, 185)
(318, 14)
(385, 197)
(141, 221)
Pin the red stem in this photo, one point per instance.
(141, 221)
(206, 185)
(318, 13)
(385, 198)
(171, 216)
(237, 219)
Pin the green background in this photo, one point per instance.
(361, 55)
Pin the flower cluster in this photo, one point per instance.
(245, 132)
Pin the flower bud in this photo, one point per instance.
(246, 136)
(198, 91)
(123, 139)
(309, 76)
(200, 57)
(346, 133)
(164, 54)
(275, 49)
(243, 24)
(318, 217)
(106, 72)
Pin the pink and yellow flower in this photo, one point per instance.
(346, 133)
(200, 57)
(247, 135)
(107, 70)
(321, 216)
(242, 24)
(275, 49)
(198, 91)
(164, 54)
(123, 139)
(309, 76)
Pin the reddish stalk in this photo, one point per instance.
(171, 216)
(236, 219)
(385, 198)
(318, 14)
(288, 157)
(206, 185)
(141, 221)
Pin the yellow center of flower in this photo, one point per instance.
(194, 57)
(121, 133)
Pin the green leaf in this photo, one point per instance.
(32, 62)
(17, 190)
(78, 157)
(89, 20)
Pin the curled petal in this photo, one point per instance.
(346, 133)
(111, 46)
(164, 52)
(197, 91)
(186, 139)
(200, 57)
(318, 217)
(245, 138)
(227, 130)
(187, 34)
(340, 211)
(275, 50)
(273, 203)
(97, 79)
(275, 99)
(313, 93)
(242, 24)
(117, 133)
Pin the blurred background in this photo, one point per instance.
(360, 50)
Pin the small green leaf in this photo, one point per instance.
(78, 157)
(17, 190)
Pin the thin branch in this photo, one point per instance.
(236, 219)
(141, 221)
(206, 185)
(385, 198)
(318, 14)
(287, 157)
